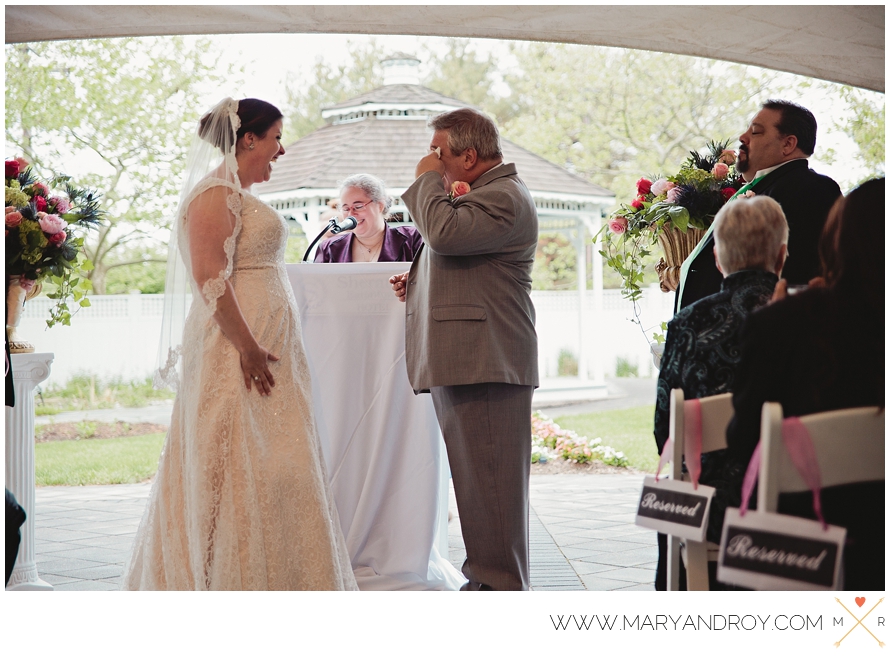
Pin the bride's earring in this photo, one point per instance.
(251, 147)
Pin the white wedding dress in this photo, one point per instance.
(241, 499)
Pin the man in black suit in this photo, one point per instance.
(773, 161)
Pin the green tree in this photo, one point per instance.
(460, 72)
(866, 127)
(556, 263)
(611, 115)
(146, 273)
(330, 85)
(121, 109)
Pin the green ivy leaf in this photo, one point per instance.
(680, 218)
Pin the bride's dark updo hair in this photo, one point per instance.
(257, 116)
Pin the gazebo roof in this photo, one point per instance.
(384, 132)
(413, 94)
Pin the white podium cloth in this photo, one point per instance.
(382, 446)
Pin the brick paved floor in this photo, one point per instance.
(581, 534)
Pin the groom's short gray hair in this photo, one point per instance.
(749, 233)
(468, 128)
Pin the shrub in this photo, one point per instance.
(624, 368)
(567, 363)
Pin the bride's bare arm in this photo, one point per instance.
(210, 223)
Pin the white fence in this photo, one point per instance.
(118, 335)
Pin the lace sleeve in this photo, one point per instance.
(214, 288)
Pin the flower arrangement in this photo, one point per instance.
(44, 240)
(549, 441)
(458, 188)
(691, 197)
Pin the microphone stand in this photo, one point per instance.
(331, 224)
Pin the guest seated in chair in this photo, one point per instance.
(822, 350)
(702, 348)
(363, 196)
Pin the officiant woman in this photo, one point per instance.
(364, 197)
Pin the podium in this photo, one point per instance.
(383, 450)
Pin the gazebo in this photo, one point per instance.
(384, 132)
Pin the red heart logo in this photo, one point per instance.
(860, 601)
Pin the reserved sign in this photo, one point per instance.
(675, 508)
(773, 552)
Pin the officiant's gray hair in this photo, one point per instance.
(468, 128)
(370, 185)
(749, 233)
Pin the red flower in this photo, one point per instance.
(644, 186)
(40, 203)
(40, 189)
(637, 203)
(727, 192)
(57, 238)
(12, 169)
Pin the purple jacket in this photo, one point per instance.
(400, 244)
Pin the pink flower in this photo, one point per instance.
(13, 219)
(58, 238)
(644, 185)
(618, 225)
(459, 188)
(727, 157)
(62, 205)
(661, 186)
(674, 194)
(637, 203)
(40, 189)
(10, 209)
(720, 171)
(51, 224)
(728, 193)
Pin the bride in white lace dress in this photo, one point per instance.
(241, 499)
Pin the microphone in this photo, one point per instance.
(347, 224)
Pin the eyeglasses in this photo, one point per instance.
(355, 208)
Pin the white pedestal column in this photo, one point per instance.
(27, 371)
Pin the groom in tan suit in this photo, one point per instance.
(470, 335)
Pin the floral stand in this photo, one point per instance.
(677, 246)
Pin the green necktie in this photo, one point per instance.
(684, 268)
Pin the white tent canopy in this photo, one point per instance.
(837, 43)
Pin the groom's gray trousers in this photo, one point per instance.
(487, 431)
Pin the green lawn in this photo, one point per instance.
(627, 430)
(97, 461)
(135, 458)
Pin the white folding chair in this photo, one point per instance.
(849, 445)
(716, 412)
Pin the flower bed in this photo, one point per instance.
(550, 442)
